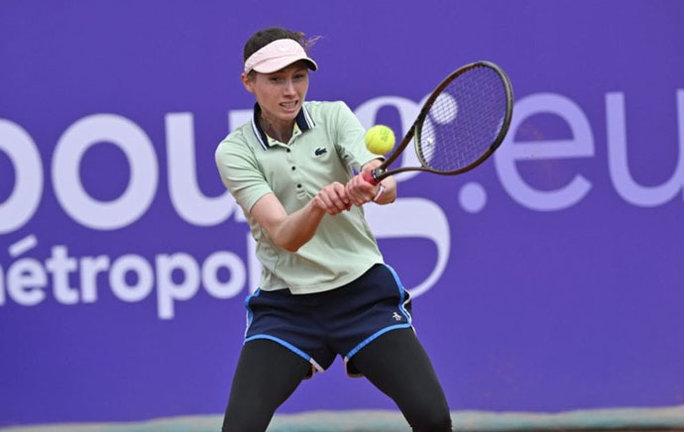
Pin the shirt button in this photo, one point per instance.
(294, 168)
(299, 186)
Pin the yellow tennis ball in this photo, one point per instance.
(379, 139)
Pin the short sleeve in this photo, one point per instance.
(349, 138)
(240, 171)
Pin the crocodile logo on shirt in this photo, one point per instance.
(320, 151)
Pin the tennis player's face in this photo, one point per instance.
(280, 94)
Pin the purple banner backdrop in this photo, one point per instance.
(549, 279)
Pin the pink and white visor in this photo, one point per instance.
(277, 55)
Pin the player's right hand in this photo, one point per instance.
(332, 199)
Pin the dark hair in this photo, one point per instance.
(264, 37)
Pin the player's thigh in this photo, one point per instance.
(268, 367)
(266, 375)
(397, 364)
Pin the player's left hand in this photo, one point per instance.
(358, 190)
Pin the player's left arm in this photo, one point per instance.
(352, 150)
(360, 192)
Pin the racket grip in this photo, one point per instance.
(369, 176)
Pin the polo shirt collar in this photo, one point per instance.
(303, 120)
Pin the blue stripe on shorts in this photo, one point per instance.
(320, 326)
(402, 307)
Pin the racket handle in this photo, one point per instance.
(369, 176)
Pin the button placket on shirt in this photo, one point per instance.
(296, 173)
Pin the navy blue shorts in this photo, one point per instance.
(340, 321)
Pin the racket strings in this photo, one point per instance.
(464, 121)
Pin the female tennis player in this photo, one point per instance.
(325, 289)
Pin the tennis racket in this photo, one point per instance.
(463, 121)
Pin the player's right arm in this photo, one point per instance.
(241, 174)
(292, 231)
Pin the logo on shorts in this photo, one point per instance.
(396, 316)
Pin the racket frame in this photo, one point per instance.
(413, 134)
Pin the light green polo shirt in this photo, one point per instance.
(327, 145)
